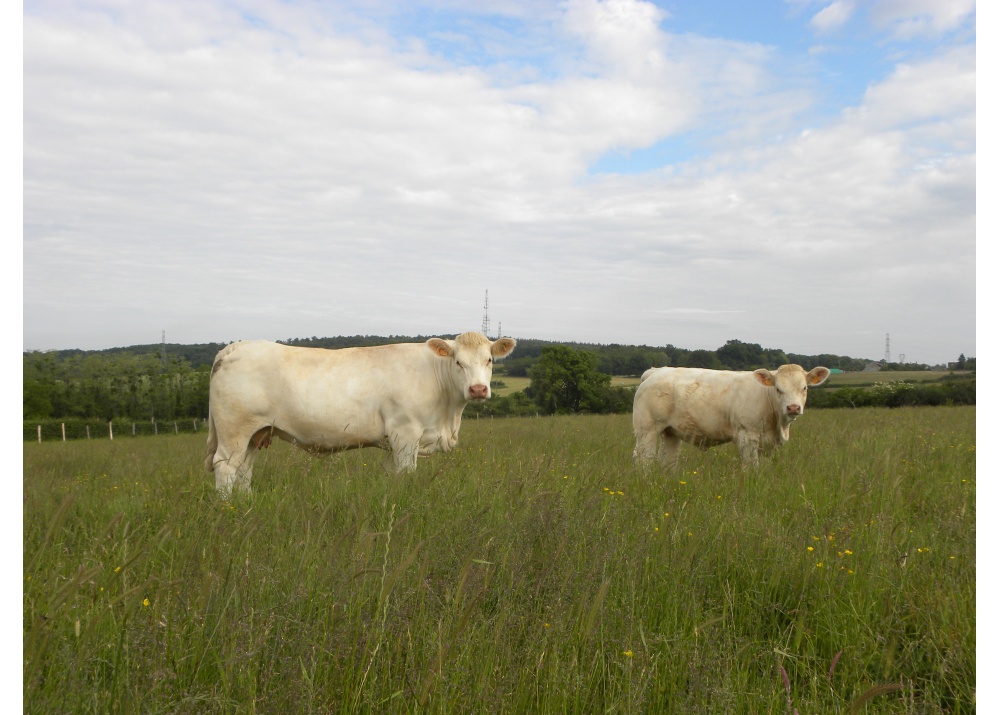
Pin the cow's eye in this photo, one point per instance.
(780, 391)
(458, 363)
(490, 361)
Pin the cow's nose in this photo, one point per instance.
(479, 391)
(794, 409)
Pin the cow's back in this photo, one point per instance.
(696, 404)
(311, 383)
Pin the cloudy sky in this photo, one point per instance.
(799, 174)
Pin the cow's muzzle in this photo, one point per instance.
(479, 392)
(793, 410)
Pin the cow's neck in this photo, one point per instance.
(778, 422)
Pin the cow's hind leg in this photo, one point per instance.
(646, 445)
(234, 467)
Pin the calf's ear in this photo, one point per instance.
(817, 376)
(502, 347)
(440, 347)
(763, 377)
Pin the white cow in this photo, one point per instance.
(711, 407)
(406, 398)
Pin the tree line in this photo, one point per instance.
(633, 360)
(120, 385)
(141, 383)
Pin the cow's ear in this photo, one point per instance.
(440, 347)
(817, 376)
(764, 377)
(502, 347)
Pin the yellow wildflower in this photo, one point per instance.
(809, 548)
(627, 653)
(145, 602)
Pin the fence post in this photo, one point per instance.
(111, 433)
(155, 431)
(195, 423)
(175, 428)
(133, 429)
(88, 431)
(39, 434)
(63, 430)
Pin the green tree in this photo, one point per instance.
(703, 358)
(566, 380)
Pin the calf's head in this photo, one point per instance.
(471, 356)
(791, 383)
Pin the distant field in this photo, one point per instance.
(867, 378)
(514, 384)
(517, 384)
(534, 569)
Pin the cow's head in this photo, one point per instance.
(791, 383)
(471, 357)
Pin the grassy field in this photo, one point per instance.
(533, 570)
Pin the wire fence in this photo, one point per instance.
(63, 430)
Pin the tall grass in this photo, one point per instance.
(532, 570)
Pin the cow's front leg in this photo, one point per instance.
(404, 445)
(749, 448)
(669, 452)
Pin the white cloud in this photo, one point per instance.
(903, 19)
(833, 16)
(220, 179)
(915, 18)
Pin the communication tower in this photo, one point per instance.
(888, 355)
(486, 314)
(163, 346)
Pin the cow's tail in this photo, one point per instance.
(213, 442)
(213, 437)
